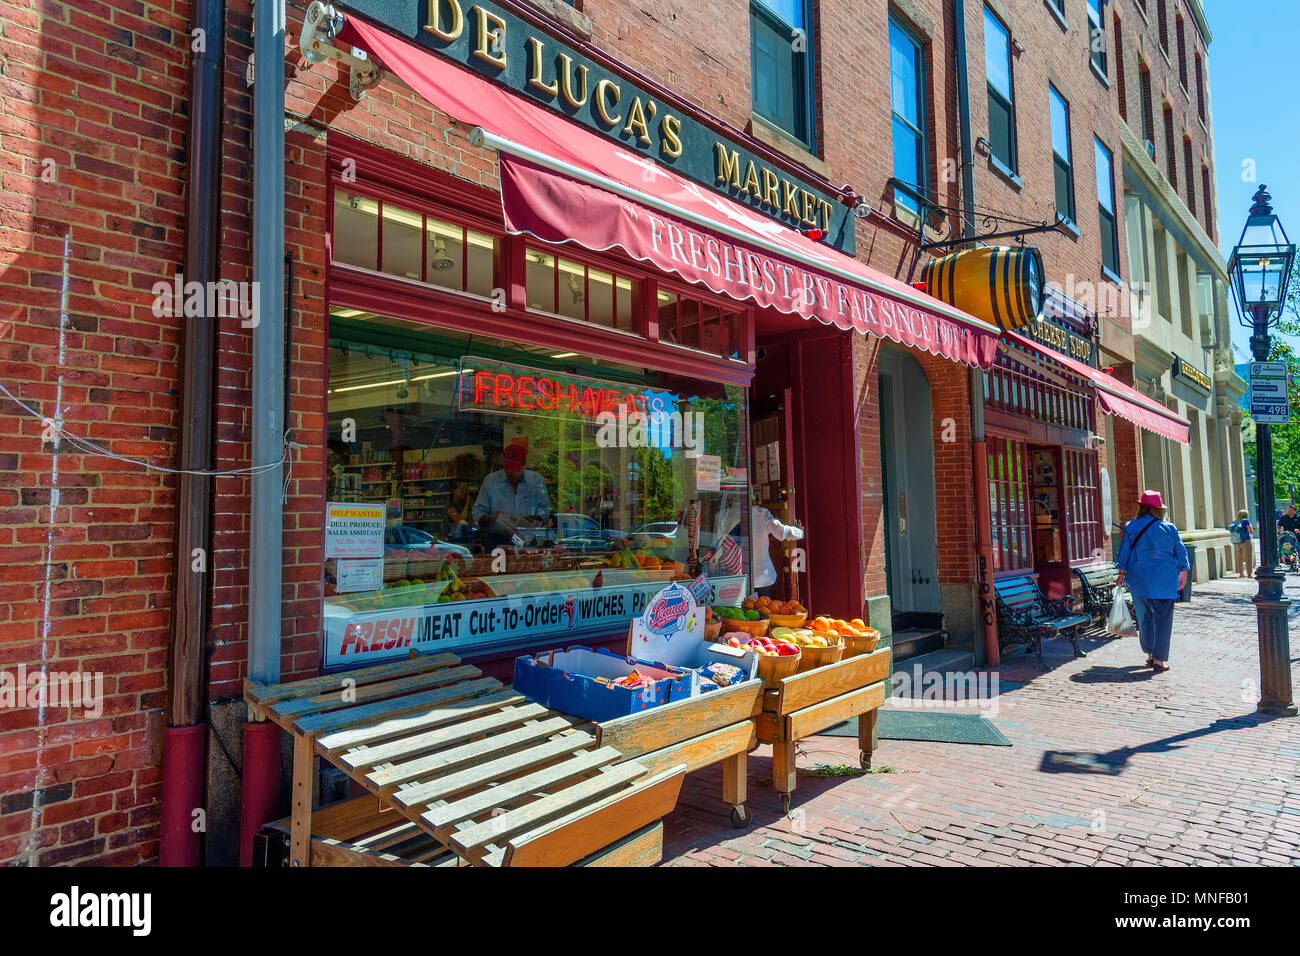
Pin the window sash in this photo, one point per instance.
(1002, 136)
(910, 151)
(781, 78)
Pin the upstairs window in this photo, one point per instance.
(1096, 37)
(1162, 24)
(1182, 54)
(907, 101)
(1061, 163)
(1002, 112)
(781, 65)
(1106, 208)
(1148, 115)
(1191, 181)
(1200, 89)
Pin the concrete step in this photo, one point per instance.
(912, 641)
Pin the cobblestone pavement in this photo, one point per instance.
(1182, 771)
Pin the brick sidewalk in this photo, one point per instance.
(1201, 779)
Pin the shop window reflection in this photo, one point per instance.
(422, 431)
(356, 230)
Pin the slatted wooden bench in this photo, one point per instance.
(1097, 582)
(1026, 616)
(455, 760)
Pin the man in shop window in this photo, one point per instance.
(511, 501)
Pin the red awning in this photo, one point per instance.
(562, 182)
(1114, 397)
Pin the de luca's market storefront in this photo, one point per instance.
(1049, 490)
(538, 402)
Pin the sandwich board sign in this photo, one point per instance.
(1269, 404)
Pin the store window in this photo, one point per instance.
(578, 291)
(1096, 37)
(1082, 503)
(1015, 384)
(1008, 462)
(1002, 113)
(390, 238)
(1061, 163)
(907, 100)
(1106, 209)
(695, 324)
(523, 491)
(781, 64)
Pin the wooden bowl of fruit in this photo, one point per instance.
(788, 614)
(857, 635)
(816, 648)
(776, 659)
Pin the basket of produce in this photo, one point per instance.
(857, 636)
(748, 620)
(780, 613)
(816, 647)
(776, 659)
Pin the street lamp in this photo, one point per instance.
(1259, 270)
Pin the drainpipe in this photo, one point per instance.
(185, 737)
(979, 448)
(261, 765)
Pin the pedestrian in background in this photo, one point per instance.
(1153, 563)
(1243, 535)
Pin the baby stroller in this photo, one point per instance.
(1288, 551)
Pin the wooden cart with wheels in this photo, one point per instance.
(808, 703)
(715, 727)
(454, 760)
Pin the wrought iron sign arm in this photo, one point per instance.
(991, 219)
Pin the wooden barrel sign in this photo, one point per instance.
(998, 284)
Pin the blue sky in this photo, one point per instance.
(1255, 103)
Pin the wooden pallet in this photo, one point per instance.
(810, 702)
(452, 755)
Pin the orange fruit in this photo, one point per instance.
(858, 622)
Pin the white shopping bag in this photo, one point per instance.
(1118, 622)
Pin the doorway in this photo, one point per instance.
(907, 469)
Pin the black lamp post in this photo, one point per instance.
(1259, 270)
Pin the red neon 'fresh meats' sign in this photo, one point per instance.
(511, 390)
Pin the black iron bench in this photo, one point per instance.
(1098, 584)
(1026, 616)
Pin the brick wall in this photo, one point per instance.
(92, 121)
(1174, 89)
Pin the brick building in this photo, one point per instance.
(1179, 284)
(406, 277)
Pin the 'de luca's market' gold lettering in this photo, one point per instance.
(783, 197)
(497, 43)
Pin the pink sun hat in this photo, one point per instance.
(1152, 499)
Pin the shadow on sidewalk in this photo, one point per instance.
(1101, 674)
(1113, 762)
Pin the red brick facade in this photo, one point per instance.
(101, 90)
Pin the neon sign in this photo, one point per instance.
(502, 389)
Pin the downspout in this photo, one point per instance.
(979, 448)
(185, 737)
(261, 763)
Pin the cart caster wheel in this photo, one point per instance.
(785, 803)
(864, 759)
(739, 816)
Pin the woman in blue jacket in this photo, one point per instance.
(1153, 563)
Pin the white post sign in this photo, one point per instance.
(1269, 403)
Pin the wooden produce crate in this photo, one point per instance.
(809, 702)
(453, 758)
(715, 727)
